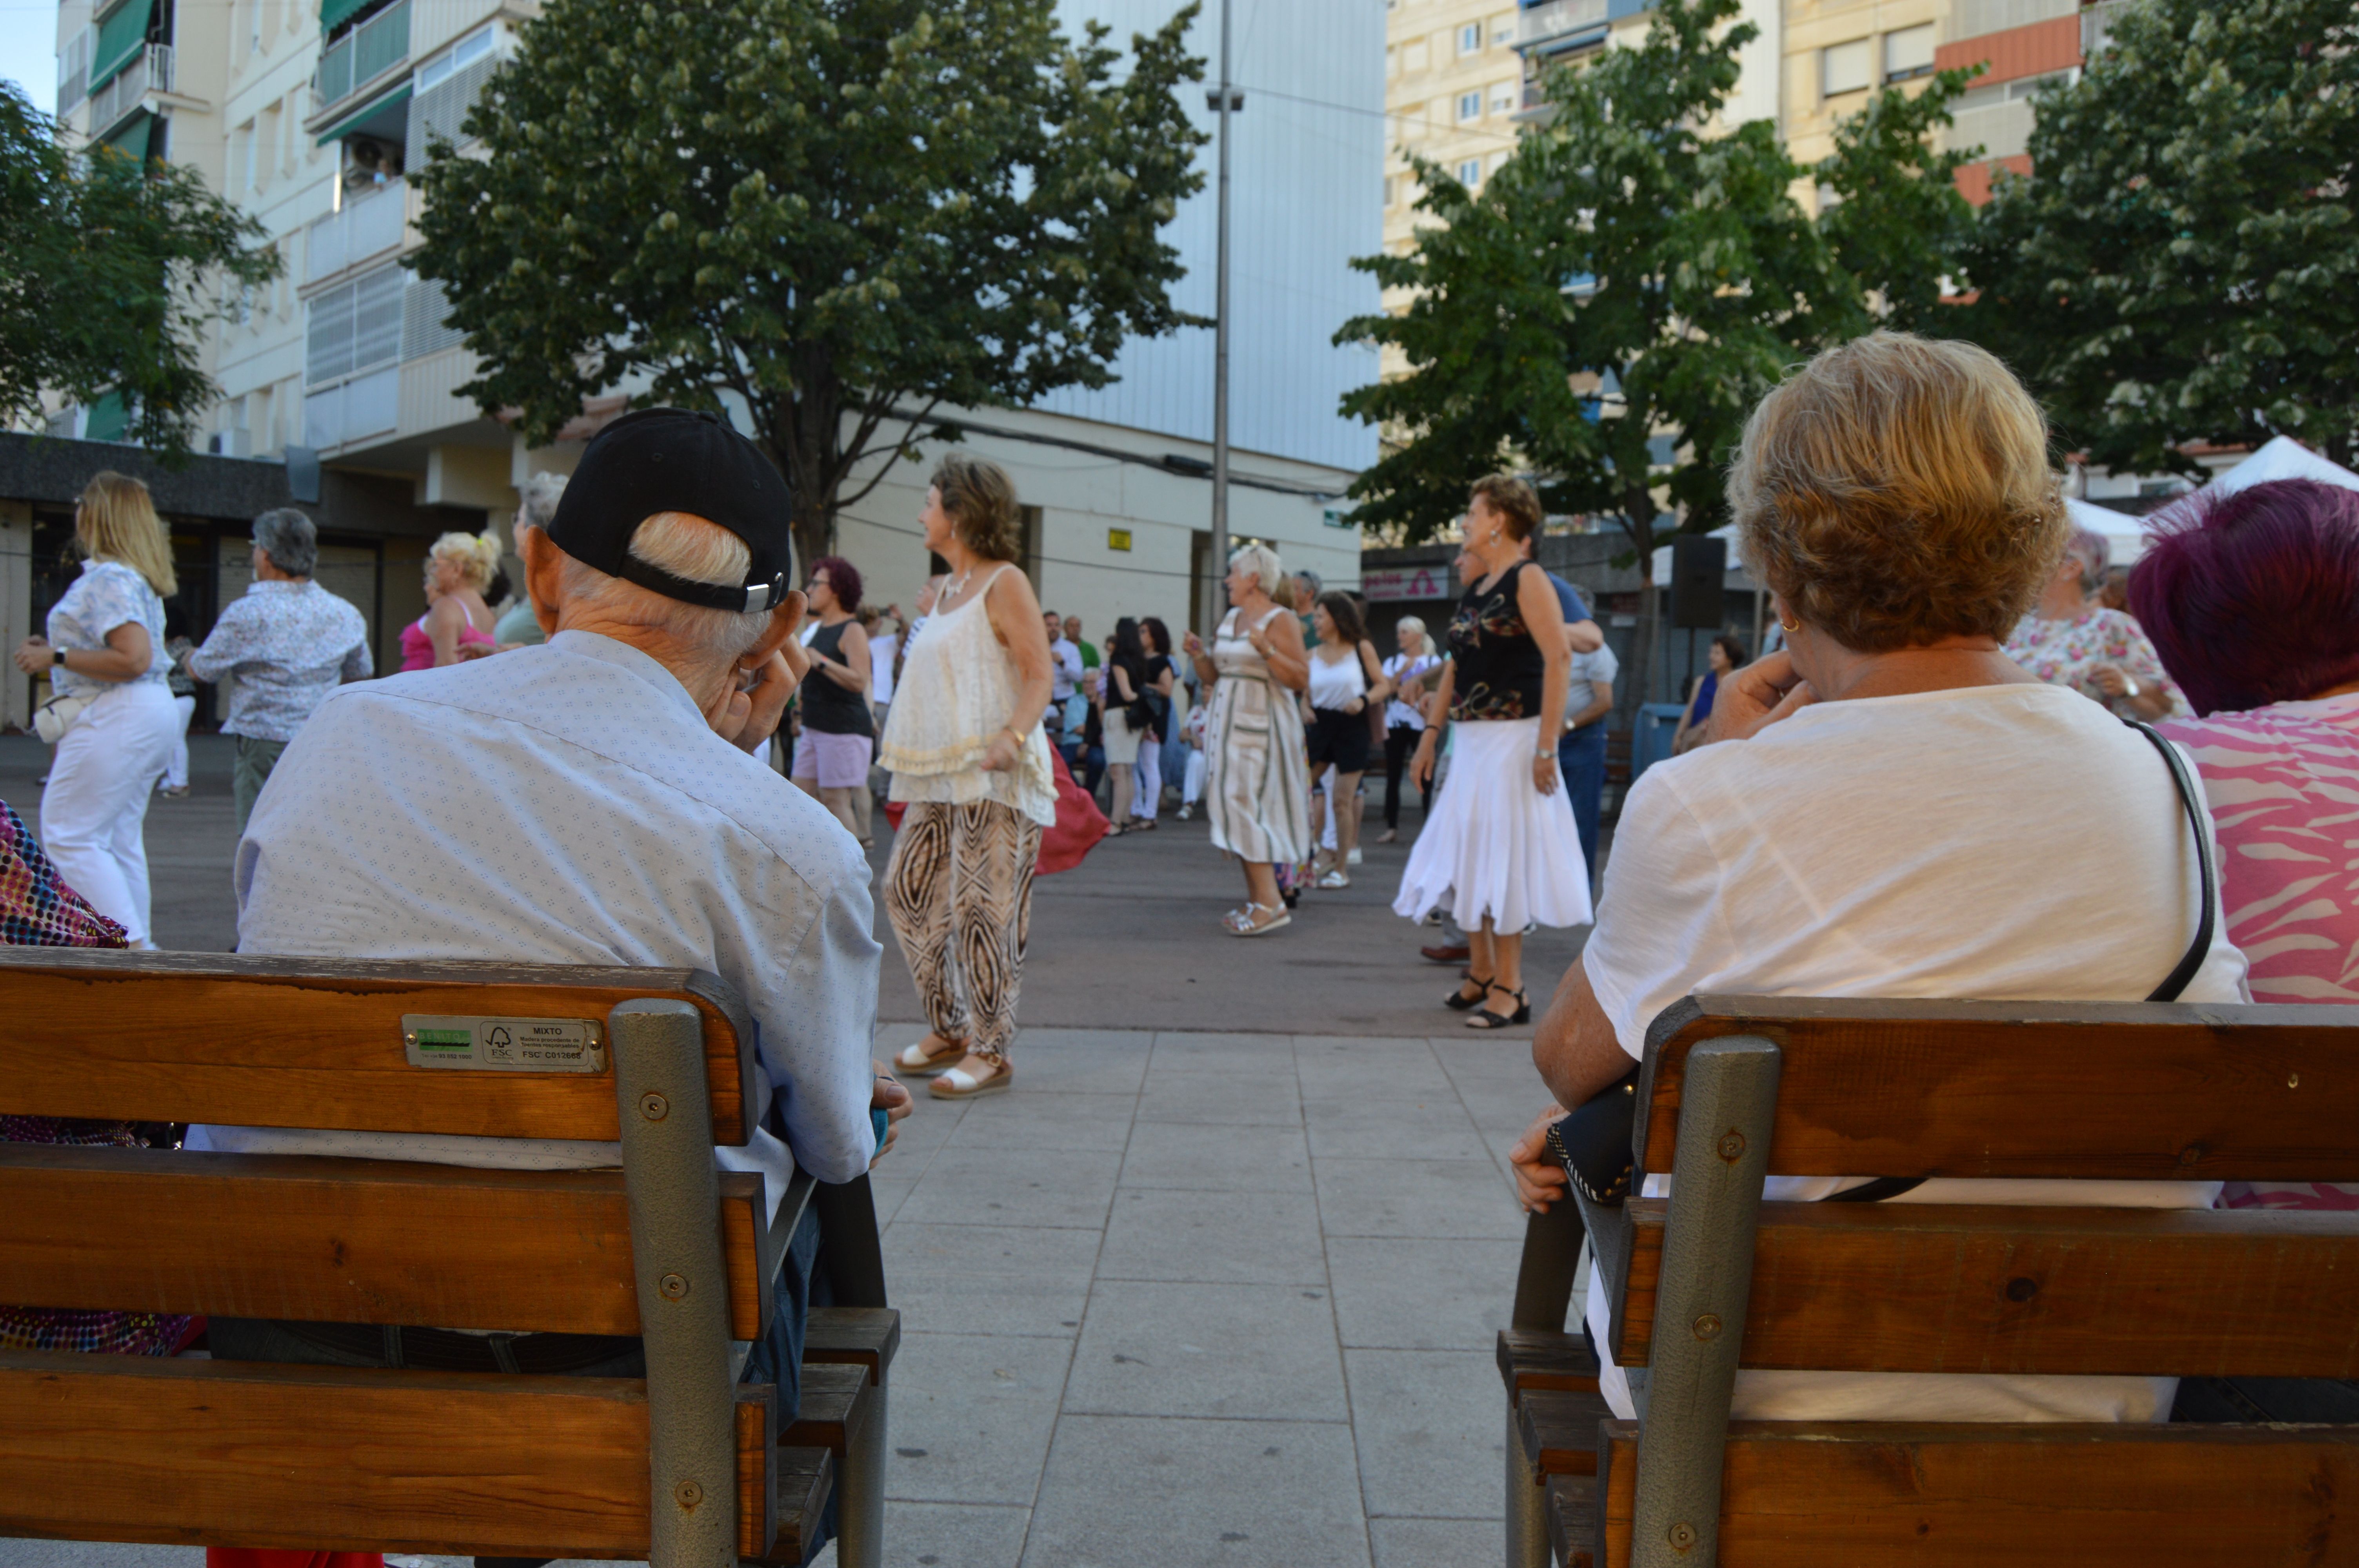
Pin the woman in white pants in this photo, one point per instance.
(106, 648)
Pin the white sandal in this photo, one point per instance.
(957, 1083)
(914, 1061)
(1241, 922)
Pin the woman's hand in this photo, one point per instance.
(1259, 638)
(1544, 772)
(1357, 705)
(1539, 1180)
(1192, 645)
(33, 656)
(1421, 767)
(1752, 698)
(1003, 753)
(2144, 698)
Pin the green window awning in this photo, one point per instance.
(368, 111)
(109, 419)
(133, 139)
(335, 13)
(119, 39)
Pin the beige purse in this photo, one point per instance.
(55, 716)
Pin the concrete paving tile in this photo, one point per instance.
(928, 1127)
(990, 1278)
(1262, 1352)
(1016, 1187)
(1432, 1430)
(1421, 1294)
(1237, 1238)
(1100, 1040)
(1333, 1068)
(1429, 1542)
(890, 1190)
(1498, 1058)
(971, 1416)
(1432, 1127)
(1189, 1155)
(959, 1535)
(1503, 1113)
(1198, 1494)
(1192, 1052)
(1407, 1196)
(1259, 1100)
(1077, 1067)
(1018, 1121)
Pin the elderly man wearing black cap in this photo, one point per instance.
(593, 800)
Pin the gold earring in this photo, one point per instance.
(1785, 625)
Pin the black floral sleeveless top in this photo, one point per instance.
(1499, 665)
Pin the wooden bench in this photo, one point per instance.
(1712, 1279)
(679, 1468)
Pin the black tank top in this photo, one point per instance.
(1500, 669)
(829, 708)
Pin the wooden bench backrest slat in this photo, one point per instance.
(345, 1240)
(317, 1043)
(1901, 1287)
(220, 1454)
(1867, 1494)
(1875, 1087)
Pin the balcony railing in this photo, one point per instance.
(149, 71)
(1543, 26)
(369, 225)
(365, 53)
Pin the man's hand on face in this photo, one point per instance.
(748, 713)
(894, 1100)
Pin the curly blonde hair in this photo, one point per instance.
(1896, 490)
(981, 500)
(478, 555)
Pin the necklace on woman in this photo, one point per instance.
(959, 587)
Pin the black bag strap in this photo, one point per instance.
(2177, 981)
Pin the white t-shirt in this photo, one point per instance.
(1598, 666)
(880, 667)
(1064, 669)
(1402, 670)
(2011, 842)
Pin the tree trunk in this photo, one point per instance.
(1637, 505)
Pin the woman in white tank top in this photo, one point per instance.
(971, 762)
(1346, 680)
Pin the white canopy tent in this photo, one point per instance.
(2282, 457)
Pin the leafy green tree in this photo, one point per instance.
(1607, 311)
(110, 270)
(1890, 209)
(2182, 263)
(849, 214)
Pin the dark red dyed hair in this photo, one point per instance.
(2253, 597)
(843, 576)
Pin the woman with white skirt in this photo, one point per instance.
(105, 657)
(1499, 851)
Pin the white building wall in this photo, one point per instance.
(1306, 175)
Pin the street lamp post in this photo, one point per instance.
(1227, 99)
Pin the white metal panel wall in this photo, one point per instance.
(1307, 168)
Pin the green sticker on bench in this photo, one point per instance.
(505, 1044)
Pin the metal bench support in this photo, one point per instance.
(1726, 1103)
(666, 1123)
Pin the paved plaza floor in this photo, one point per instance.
(1215, 1284)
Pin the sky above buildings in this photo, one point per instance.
(28, 49)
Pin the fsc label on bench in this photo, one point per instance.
(505, 1044)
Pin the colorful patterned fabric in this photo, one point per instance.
(2065, 652)
(1501, 670)
(106, 595)
(2283, 782)
(37, 910)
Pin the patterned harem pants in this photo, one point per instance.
(959, 892)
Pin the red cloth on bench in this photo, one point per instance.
(250, 1557)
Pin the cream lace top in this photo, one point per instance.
(956, 691)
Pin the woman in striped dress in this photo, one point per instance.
(1257, 788)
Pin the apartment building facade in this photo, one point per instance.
(312, 116)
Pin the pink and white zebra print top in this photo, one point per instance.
(2283, 782)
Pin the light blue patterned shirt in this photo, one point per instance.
(106, 595)
(569, 804)
(289, 644)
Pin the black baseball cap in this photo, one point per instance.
(670, 460)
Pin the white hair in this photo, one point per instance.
(1264, 563)
(541, 492)
(1409, 626)
(687, 546)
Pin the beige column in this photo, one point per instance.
(16, 607)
